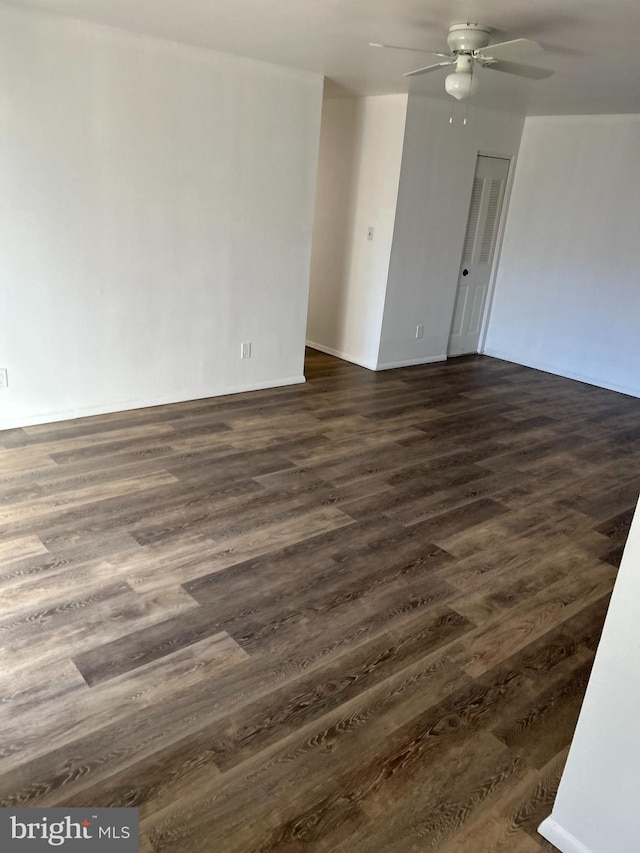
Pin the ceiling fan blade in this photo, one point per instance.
(511, 49)
(428, 68)
(412, 49)
(517, 68)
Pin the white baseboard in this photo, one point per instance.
(556, 371)
(345, 356)
(410, 362)
(563, 840)
(385, 365)
(128, 405)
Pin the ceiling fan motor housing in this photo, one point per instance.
(467, 36)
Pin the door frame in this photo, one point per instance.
(488, 305)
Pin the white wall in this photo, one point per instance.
(596, 809)
(567, 296)
(156, 210)
(358, 175)
(435, 190)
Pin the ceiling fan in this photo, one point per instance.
(469, 43)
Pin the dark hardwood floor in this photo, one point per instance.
(353, 615)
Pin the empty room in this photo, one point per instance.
(319, 426)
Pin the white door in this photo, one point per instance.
(477, 254)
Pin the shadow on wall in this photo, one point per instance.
(333, 228)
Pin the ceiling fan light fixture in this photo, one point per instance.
(461, 84)
(469, 46)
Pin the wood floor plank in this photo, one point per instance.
(530, 619)
(356, 614)
(495, 828)
(110, 704)
(363, 724)
(230, 739)
(87, 621)
(20, 548)
(442, 796)
(85, 440)
(34, 512)
(15, 462)
(537, 804)
(539, 731)
(229, 550)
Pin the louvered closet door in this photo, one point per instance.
(477, 253)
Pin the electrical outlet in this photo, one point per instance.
(420, 331)
(370, 233)
(4, 380)
(245, 350)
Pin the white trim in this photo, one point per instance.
(497, 252)
(385, 365)
(563, 840)
(557, 371)
(345, 356)
(127, 405)
(409, 362)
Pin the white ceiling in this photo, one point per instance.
(592, 44)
